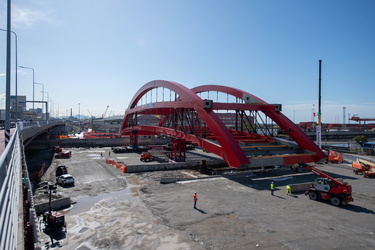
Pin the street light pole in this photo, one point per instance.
(320, 95)
(8, 70)
(79, 115)
(42, 95)
(58, 110)
(52, 105)
(47, 114)
(16, 78)
(33, 83)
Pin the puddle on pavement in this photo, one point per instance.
(95, 156)
(85, 203)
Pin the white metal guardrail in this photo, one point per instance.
(10, 176)
(14, 224)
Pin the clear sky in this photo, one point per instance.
(99, 53)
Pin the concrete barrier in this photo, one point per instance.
(159, 166)
(55, 204)
(103, 142)
(168, 166)
(300, 187)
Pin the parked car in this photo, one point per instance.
(65, 179)
(64, 154)
(60, 170)
(56, 149)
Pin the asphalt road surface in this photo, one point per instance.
(113, 210)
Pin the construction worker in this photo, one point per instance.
(195, 196)
(288, 190)
(272, 186)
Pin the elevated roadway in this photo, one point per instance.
(18, 228)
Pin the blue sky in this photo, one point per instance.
(99, 53)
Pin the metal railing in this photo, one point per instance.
(17, 214)
(10, 193)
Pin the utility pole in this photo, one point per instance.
(319, 127)
(8, 70)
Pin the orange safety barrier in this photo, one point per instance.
(116, 165)
(123, 169)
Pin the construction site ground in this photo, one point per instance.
(235, 210)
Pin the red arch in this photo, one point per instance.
(228, 147)
(231, 91)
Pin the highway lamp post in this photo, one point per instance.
(44, 115)
(52, 106)
(47, 114)
(16, 76)
(7, 81)
(57, 110)
(319, 127)
(33, 83)
(79, 115)
(42, 95)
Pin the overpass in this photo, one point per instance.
(15, 188)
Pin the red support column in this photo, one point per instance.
(134, 138)
(178, 150)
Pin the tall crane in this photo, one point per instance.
(364, 120)
(90, 113)
(105, 112)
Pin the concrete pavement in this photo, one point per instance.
(234, 211)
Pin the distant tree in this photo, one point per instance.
(360, 139)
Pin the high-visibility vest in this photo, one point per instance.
(195, 197)
(272, 186)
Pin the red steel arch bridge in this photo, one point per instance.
(229, 122)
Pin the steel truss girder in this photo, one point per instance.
(271, 111)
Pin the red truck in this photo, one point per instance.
(328, 188)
